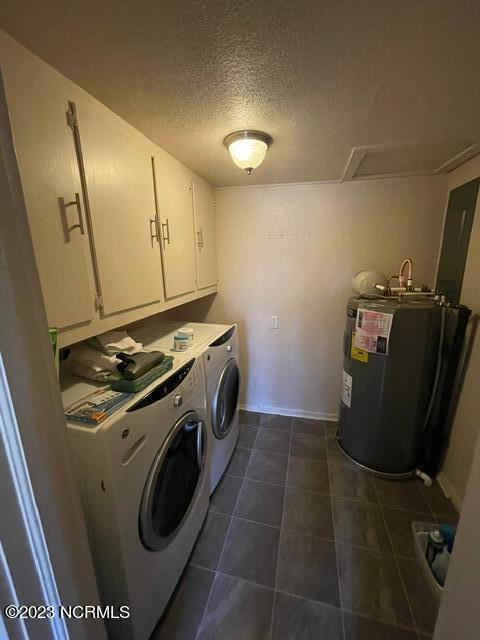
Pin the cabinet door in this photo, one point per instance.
(205, 235)
(118, 172)
(49, 172)
(175, 211)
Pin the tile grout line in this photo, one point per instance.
(197, 635)
(310, 600)
(332, 510)
(269, 451)
(397, 565)
(280, 534)
(422, 491)
(274, 484)
(217, 572)
(271, 484)
(430, 514)
(309, 535)
(439, 517)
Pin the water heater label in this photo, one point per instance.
(346, 389)
(372, 330)
(356, 353)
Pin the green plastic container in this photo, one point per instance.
(53, 333)
(133, 386)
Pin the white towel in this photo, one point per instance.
(113, 342)
(90, 363)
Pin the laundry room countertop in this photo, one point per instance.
(73, 387)
(152, 335)
(160, 335)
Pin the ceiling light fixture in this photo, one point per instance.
(248, 148)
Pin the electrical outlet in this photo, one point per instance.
(274, 322)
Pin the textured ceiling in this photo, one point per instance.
(320, 77)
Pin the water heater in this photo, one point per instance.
(389, 362)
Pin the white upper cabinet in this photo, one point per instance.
(111, 215)
(177, 233)
(205, 234)
(118, 171)
(53, 195)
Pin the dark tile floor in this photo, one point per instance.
(300, 545)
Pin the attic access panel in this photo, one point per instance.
(422, 158)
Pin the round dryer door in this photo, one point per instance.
(225, 399)
(173, 481)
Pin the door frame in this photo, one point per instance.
(44, 553)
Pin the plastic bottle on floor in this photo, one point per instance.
(440, 566)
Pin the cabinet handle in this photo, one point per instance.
(165, 238)
(153, 235)
(63, 210)
(200, 238)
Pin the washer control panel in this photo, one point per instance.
(165, 388)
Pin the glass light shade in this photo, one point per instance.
(248, 148)
(248, 153)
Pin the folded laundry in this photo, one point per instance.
(112, 342)
(90, 363)
(134, 366)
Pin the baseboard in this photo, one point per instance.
(295, 413)
(449, 491)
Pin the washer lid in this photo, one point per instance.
(225, 399)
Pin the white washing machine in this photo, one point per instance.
(218, 347)
(145, 487)
(222, 376)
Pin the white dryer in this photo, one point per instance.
(218, 347)
(145, 488)
(222, 376)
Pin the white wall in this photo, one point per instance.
(291, 251)
(467, 421)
